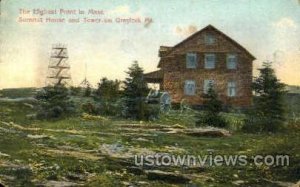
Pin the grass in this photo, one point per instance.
(18, 92)
(72, 146)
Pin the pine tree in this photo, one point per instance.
(212, 104)
(268, 114)
(107, 96)
(54, 102)
(213, 108)
(135, 91)
(108, 90)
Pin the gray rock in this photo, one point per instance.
(211, 132)
(143, 183)
(4, 155)
(238, 182)
(37, 136)
(76, 177)
(61, 184)
(31, 116)
(29, 105)
(166, 176)
(297, 184)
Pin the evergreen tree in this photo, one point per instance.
(268, 113)
(135, 91)
(212, 104)
(108, 90)
(75, 90)
(212, 107)
(108, 95)
(88, 91)
(54, 102)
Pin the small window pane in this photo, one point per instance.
(210, 60)
(231, 61)
(190, 87)
(231, 89)
(207, 84)
(191, 60)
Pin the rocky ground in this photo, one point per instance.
(100, 151)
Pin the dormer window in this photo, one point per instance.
(209, 39)
(191, 60)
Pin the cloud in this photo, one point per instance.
(285, 22)
(184, 31)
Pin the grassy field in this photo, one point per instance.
(99, 151)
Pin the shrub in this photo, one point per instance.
(89, 108)
(54, 102)
(213, 107)
(152, 111)
(212, 120)
(87, 91)
(111, 108)
(75, 90)
(107, 97)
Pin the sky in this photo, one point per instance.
(270, 30)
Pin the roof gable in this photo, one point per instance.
(200, 32)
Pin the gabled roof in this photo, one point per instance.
(209, 27)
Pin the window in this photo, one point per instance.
(231, 61)
(191, 60)
(190, 87)
(209, 39)
(207, 85)
(210, 60)
(231, 89)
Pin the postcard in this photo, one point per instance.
(149, 93)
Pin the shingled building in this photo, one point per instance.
(207, 57)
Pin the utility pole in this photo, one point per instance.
(85, 83)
